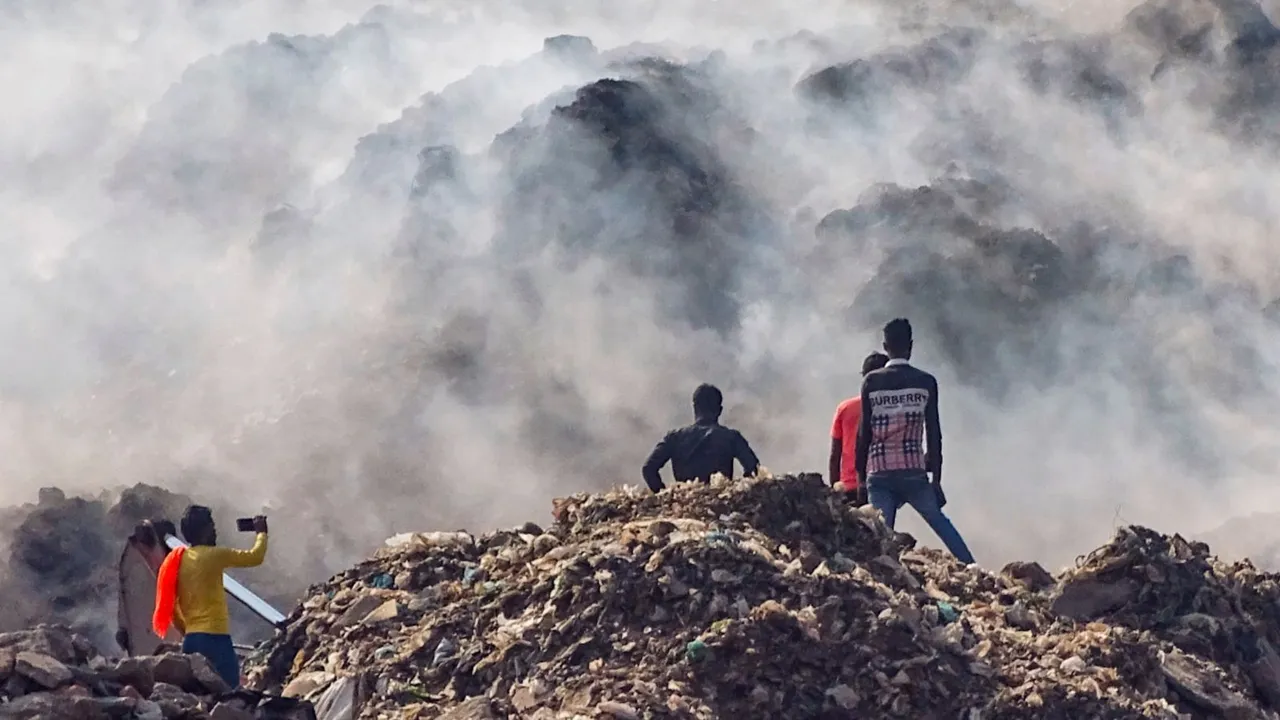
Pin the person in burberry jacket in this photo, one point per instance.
(900, 440)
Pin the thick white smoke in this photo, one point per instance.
(349, 263)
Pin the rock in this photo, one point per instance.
(172, 669)
(51, 706)
(42, 669)
(405, 581)
(180, 687)
(208, 678)
(544, 544)
(358, 611)
(844, 696)
(118, 707)
(523, 699)
(56, 641)
(137, 673)
(1263, 668)
(1088, 598)
(618, 710)
(148, 710)
(476, 708)
(17, 686)
(1073, 665)
(307, 683)
(1030, 574)
(227, 711)
(1199, 687)
(386, 611)
(172, 696)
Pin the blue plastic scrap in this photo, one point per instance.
(948, 612)
(696, 650)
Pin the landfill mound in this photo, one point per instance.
(63, 558)
(50, 673)
(771, 598)
(63, 554)
(1001, 220)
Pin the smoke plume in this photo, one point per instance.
(398, 267)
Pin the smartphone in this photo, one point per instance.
(244, 524)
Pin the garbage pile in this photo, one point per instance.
(769, 598)
(643, 133)
(961, 269)
(63, 554)
(51, 673)
(63, 560)
(1228, 51)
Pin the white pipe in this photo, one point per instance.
(241, 593)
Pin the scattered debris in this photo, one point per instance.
(51, 673)
(64, 552)
(769, 598)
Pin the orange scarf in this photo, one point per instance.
(166, 592)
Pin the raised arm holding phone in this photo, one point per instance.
(190, 593)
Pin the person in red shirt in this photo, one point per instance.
(844, 436)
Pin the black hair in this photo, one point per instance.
(874, 361)
(145, 534)
(196, 522)
(163, 527)
(707, 400)
(897, 336)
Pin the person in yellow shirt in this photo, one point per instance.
(200, 610)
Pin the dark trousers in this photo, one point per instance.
(889, 492)
(220, 653)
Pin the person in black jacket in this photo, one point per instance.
(900, 440)
(702, 449)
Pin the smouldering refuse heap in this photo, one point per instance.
(768, 598)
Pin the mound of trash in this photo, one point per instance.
(210, 166)
(639, 135)
(63, 554)
(63, 562)
(976, 282)
(51, 673)
(770, 598)
(1228, 50)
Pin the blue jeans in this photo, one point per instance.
(890, 491)
(220, 653)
